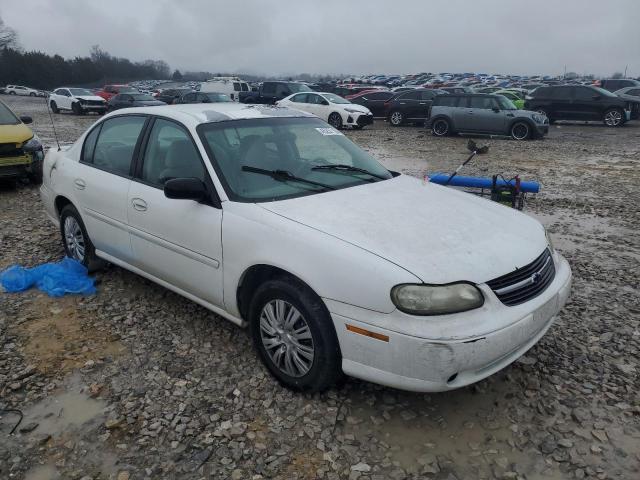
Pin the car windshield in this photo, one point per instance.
(299, 87)
(80, 91)
(335, 98)
(7, 117)
(603, 92)
(505, 103)
(293, 145)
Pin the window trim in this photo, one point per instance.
(135, 149)
(138, 162)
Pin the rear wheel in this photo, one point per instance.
(76, 241)
(520, 131)
(614, 117)
(440, 127)
(54, 107)
(294, 335)
(396, 118)
(335, 120)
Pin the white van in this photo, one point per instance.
(232, 86)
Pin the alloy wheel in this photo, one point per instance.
(440, 128)
(74, 238)
(286, 338)
(613, 118)
(520, 131)
(396, 118)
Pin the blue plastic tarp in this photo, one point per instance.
(55, 279)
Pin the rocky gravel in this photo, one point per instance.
(136, 382)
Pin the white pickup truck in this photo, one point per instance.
(77, 100)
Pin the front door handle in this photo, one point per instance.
(79, 184)
(139, 204)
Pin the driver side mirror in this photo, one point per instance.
(495, 109)
(324, 102)
(185, 189)
(26, 119)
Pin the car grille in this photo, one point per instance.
(93, 102)
(10, 150)
(525, 283)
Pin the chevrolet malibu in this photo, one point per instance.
(274, 220)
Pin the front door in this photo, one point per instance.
(483, 117)
(178, 241)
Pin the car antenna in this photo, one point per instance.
(55, 134)
(475, 150)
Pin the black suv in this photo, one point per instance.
(410, 107)
(579, 102)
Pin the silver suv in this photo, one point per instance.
(484, 114)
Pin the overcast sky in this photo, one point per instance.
(342, 36)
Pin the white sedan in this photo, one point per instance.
(275, 220)
(77, 100)
(331, 108)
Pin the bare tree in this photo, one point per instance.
(8, 36)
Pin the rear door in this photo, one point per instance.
(409, 104)
(101, 182)
(178, 241)
(424, 103)
(374, 101)
(561, 103)
(585, 104)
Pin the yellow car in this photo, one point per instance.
(21, 152)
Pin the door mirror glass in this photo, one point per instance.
(324, 102)
(495, 109)
(26, 119)
(185, 189)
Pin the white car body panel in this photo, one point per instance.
(323, 111)
(351, 246)
(66, 102)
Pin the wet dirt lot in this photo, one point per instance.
(137, 382)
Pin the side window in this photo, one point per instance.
(583, 93)
(446, 100)
(376, 96)
(483, 103)
(190, 97)
(282, 90)
(236, 86)
(558, 93)
(117, 142)
(314, 99)
(300, 98)
(410, 96)
(427, 95)
(90, 145)
(269, 88)
(170, 153)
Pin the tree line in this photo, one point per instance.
(40, 70)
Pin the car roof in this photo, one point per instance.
(195, 114)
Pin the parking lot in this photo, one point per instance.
(169, 390)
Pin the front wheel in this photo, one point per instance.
(76, 108)
(32, 94)
(335, 120)
(54, 107)
(520, 131)
(294, 335)
(76, 241)
(614, 117)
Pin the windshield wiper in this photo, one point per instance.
(348, 168)
(285, 176)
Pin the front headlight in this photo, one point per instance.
(352, 110)
(549, 242)
(421, 299)
(32, 145)
(538, 118)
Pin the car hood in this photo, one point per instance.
(438, 234)
(89, 97)
(19, 133)
(355, 106)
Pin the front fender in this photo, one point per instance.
(333, 268)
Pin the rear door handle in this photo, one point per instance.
(79, 184)
(139, 204)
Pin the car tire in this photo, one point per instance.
(308, 360)
(76, 241)
(12, 93)
(54, 107)
(614, 117)
(32, 94)
(542, 111)
(520, 131)
(440, 127)
(335, 120)
(396, 118)
(76, 108)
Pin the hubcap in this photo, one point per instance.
(74, 239)
(334, 121)
(396, 118)
(440, 128)
(613, 118)
(286, 338)
(520, 131)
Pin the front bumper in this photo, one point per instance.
(19, 166)
(433, 364)
(360, 120)
(542, 129)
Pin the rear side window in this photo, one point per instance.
(583, 93)
(116, 144)
(300, 98)
(559, 93)
(483, 103)
(409, 96)
(236, 86)
(427, 95)
(446, 100)
(269, 88)
(90, 145)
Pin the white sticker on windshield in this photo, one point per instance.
(329, 131)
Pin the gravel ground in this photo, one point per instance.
(136, 382)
